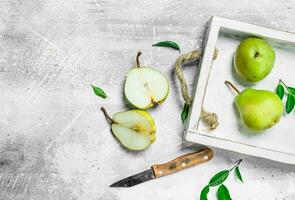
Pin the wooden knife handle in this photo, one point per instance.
(182, 162)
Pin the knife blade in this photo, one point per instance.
(159, 170)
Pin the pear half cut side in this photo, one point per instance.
(129, 138)
(145, 87)
(135, 129)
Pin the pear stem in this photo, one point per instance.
(137, 59)
(233, 87)
(108, 118)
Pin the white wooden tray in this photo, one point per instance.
(277, 143)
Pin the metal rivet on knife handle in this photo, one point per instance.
(182, 162)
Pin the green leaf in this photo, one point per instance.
(170, 44)
(292, 90)
(204, 193)
(99, 92)
(238, 174)
(290, 103)
(219, 178)
(184, 112)
(280, 91)
(223, 193)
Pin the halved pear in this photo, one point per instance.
(145, 87)
(135, 129)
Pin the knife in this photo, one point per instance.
(159, 170)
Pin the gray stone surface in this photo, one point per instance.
(54, 141)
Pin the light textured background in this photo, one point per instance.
(55, 143)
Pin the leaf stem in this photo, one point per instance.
(237, 164)
(284, 84)
(108, 118)
(137, 59)
(233, 87)
(281, 81)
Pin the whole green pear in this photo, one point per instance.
(259, 109)
(254, 59)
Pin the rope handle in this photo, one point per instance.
(210, 119)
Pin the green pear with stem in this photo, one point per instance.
(259, 109)
(135, 129)
(145, 86)
(254, 59)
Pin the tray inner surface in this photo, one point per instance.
(220, 99)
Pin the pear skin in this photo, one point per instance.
(259, 109)
(254, 59)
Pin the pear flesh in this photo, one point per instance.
(145, 87)
(135, 129)
(259, 109)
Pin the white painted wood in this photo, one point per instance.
(211, 93)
